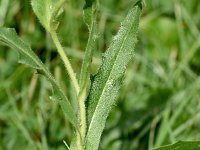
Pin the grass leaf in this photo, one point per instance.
(107, 82)
(181, 145)
(9, 37)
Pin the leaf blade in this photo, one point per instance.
(181, 145)
(9, 37)
(109, 77)
(90, 20)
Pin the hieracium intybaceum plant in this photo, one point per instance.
(100, 93)
(95, 97)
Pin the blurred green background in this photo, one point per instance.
(160, 98)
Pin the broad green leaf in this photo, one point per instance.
(9, 37)
(181, 145)
(48, 12)
(107, 82)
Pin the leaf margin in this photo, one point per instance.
(101, 109)
(9, 37)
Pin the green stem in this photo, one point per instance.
(82, 111)
(66, 61)
(81, 95)
(79, 141)
(84, 77)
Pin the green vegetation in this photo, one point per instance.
(76, 87)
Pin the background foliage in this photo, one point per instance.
(160, 99)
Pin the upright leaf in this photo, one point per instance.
(90, 20)
(181, 145)
(107, 82)
(9, 37)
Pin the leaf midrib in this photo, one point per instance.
(21, 49)
(37, 61)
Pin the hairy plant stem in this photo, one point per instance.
(79, 141)
(82, 121)
(66, 61)
(84, 79)
(81, 95)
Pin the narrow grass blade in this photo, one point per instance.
(107, 82)
(9, 37)
(181, 145)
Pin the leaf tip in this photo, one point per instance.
(139, 4)
(88, 3)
